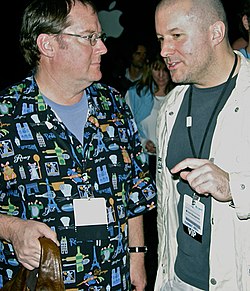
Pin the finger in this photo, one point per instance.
(189, 163)
(194, 183)
(203, 188)
(48, 233)
(31, 265)
(184, 174)
(31, 259)
(53, 238)
(194, 176)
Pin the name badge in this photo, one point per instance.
(91, 220)
(193, 216)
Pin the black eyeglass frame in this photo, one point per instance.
(92, 38)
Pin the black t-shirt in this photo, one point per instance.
(192, 262)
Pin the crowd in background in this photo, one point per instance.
(14, 67)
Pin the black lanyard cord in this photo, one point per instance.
(189, 116)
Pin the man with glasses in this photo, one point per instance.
(72, 165)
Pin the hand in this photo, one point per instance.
(24, 235)
(138, 272)
(204, 178)
(150, 146)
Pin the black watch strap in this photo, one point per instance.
(143, 249)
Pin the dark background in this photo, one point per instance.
(137, 19)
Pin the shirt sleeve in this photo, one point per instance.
(142, 189)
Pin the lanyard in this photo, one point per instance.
(189, 116)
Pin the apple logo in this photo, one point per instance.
(110, 21)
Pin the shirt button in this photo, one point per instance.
(236, 109)
(171, 113)
(213, 281)
(242, 186)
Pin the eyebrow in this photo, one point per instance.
(88, 31)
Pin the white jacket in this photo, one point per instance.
(230, 149)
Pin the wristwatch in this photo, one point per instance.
(143, 249)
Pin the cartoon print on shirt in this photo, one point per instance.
(51, 168)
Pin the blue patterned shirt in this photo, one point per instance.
(44, 168)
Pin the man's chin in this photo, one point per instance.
(97, 77)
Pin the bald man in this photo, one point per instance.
(203, 149)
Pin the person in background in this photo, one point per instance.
(145, 99)
(203, 161)
(239, 43)
(244, 25)
(72, 164)
(123, 77)
(138, 59)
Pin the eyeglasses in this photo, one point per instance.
(92, 38)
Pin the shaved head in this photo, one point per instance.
(204, 12)
(194, 39)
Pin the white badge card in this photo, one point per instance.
(91, 219)
(90, 211)
(193, 217)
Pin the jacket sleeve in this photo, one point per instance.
(240, 187)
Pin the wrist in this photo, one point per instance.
(7, 226)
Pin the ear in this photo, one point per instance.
(217, 31)
(45, 44)
(245, 22)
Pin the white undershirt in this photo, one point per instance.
(149, 123)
